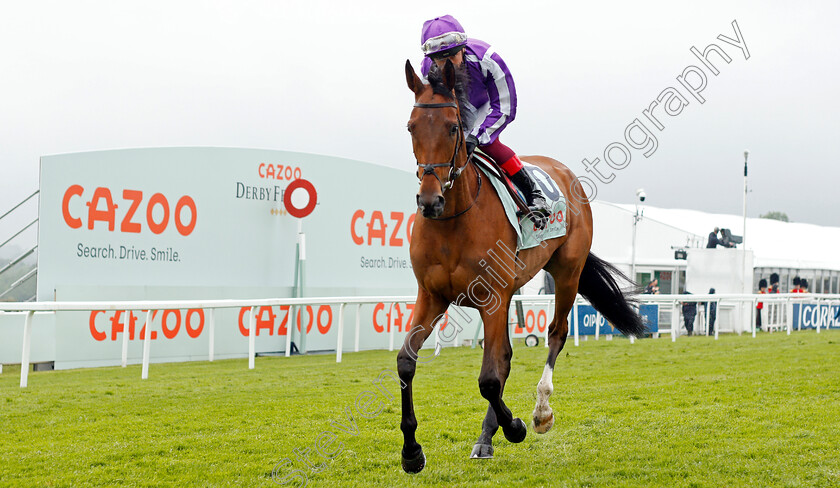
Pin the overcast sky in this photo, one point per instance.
(327, 77)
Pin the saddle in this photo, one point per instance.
(518, 214)
(494, 170)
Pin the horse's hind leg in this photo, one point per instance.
(566, 276)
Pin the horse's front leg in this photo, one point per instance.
(483, 448)
(427, 311)
(495, 369)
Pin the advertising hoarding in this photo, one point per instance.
(189, 223)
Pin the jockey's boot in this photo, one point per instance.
(534, 198)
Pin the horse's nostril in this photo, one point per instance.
(440, 201)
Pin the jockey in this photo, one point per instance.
(492, 98)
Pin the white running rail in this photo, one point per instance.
(778, 310)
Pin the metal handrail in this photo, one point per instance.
(26, 254)
(18, 259)
(19, 232)
(17, 283)
(19, 204)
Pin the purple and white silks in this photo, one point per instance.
(492, 93)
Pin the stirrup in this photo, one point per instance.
(539, 211)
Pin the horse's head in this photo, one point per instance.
(437, 136)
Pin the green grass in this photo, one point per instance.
(736, 412)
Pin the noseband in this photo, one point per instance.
(429, 169)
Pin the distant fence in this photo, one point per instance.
(782, 311)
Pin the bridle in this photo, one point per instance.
(429, 169)
(454, 173)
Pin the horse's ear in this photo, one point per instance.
(414, 82)
(449, 75)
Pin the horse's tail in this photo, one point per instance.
(598, 284)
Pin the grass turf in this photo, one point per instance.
(734, 412)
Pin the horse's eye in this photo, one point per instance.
(453, 130)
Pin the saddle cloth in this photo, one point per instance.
(528, 235)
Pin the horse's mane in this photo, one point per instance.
(462, 83)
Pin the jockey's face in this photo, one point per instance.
(457, 59)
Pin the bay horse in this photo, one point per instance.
(458, 229)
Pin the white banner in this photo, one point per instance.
(179, 223)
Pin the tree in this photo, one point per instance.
(775, 216)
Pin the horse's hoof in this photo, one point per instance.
(516, 432)
(482, 451)
(543, 426)
(415, 464)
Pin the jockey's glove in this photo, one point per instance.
(472, 142)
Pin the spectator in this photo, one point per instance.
(762, 289)
(773, 312)
(689, 310)
(796, 281)
(774, 283)
(803, 286)
(714, 241)
(652, 288)
(711, 312)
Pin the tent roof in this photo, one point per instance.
(774, 243)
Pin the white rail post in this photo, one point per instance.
(767, 321)
(752, 305)
(675, 319)
(390, 329)
(570, 320)
(575, 314)
(252, 339)
(126, 324)
(801, 313)
(717, 307)
(358, 326)
(289, 333)
(27, 343)
(147, 344)
(818, 316)
(597, 325)
(788, 315)
(211, 333)
(340, 341)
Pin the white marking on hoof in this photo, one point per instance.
(545, 424)
(543, 415)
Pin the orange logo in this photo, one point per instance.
(102, 208)
(376, 229)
